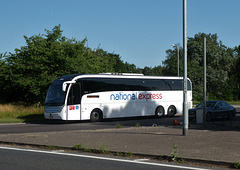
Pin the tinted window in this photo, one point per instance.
(55, 96)
(211, 103)
(175, 84)
(159, 85)
(98, 85)
(219, 104)
(74, 95)
(92, 85)
(224, 104)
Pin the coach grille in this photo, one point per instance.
(53, 109)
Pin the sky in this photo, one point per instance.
(140, 31)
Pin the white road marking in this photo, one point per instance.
(141, 160)
(101, 158)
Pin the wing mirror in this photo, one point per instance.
(64, 86)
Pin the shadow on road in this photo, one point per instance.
(220, 124)
(216, 125)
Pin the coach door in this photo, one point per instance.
(73, 102)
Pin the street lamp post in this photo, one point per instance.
(177, 45)
(185, 104)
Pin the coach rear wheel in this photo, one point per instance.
(171, 111)
(159, 111)
(96, 115)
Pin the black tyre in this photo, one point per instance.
(96, 115)
(171, 111)
(209, 117)
(159, 111)
(231, 115)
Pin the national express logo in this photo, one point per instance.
(73, 107)
(136, 96)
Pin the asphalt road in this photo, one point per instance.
(22, 159)
(51, 126)
(54, 126)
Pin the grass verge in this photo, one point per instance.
(11, 113)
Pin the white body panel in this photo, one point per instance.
(119, 103)
(73, 112)
(129, 104)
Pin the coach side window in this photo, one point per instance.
(159, 85)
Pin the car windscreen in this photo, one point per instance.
(208, 104)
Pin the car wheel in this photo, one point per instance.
(208, 117)
(159, 111)
(171, 111)
(231, 116)
(96, 115)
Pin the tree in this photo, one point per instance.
(155, 71)
(219, 63)
(34, 66)
(27, 73)
(171, 64)
(236, 71)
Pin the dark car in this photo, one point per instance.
(214, 109)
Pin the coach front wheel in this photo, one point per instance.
(96, 115)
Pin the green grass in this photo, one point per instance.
(234, 102)
(10, 113)
(78, 146)
(119, 126)
(174, 153)
(138, 125)
(103, 148)
(128, 154)
(236, 165)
